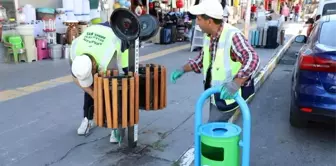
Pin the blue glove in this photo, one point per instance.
(229, 90)
(176, 75)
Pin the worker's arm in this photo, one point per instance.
(187, 68)
(244, 53)
(88, 90)
(195, 64)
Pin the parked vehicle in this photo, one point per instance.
(327, 7)
(313, 94)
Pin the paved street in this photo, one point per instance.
(274, 142)
(43, 108)
(41, 127)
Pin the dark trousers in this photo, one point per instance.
(88, 106)
(89, 103)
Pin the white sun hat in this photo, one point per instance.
(82, 70)
(211, 8)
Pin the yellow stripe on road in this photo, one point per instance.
(26, 90)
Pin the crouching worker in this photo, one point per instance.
(97, 49)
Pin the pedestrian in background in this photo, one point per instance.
(226, 12)
(253, 11)
(296, 12)
(285, 11)
(261, 8)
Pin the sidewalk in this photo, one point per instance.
(40, 128)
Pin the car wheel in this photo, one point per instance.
(295, 119)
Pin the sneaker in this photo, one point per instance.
(116, 136)
(92, 124)
(85, 126)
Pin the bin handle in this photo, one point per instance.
(244, 143)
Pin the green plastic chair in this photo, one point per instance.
(96, 21)
(16, 46)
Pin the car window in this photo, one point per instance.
(329, 8)
(328, 30)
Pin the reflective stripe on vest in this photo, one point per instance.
(124, 59)
(223, 67)
(101, 62)
(102, 45)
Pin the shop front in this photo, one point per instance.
(7, 12)
(35, 30)
(174, 21)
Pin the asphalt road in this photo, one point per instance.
(274, 142)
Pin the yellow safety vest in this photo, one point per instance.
(124, 59)
(100, 42)
(223, 67)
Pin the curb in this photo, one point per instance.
(187, 158)
(265, 72)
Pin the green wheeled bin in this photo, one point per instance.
(220, 144)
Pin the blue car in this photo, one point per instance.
(313, 96)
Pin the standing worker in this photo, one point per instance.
(227, 59)
(97, 49)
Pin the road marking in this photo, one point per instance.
(187, 158)
(146, 45)
(26, 90)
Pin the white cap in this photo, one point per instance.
(82, 70)
(211, 8)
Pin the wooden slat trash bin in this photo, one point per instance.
(152, 87)
(116, 99)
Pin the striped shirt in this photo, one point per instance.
(241, 51)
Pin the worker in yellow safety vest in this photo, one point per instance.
(227, 60)
(97, 49)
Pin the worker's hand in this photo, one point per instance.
(91, 92)
(229, 90)
(176, 75)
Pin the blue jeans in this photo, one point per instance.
(296, 17)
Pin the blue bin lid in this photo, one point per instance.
(46, 10)
(220, 130)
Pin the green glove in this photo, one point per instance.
(229, 90)
(176, 75)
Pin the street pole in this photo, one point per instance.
(147, 6)
(133, 66)
(247, 18)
